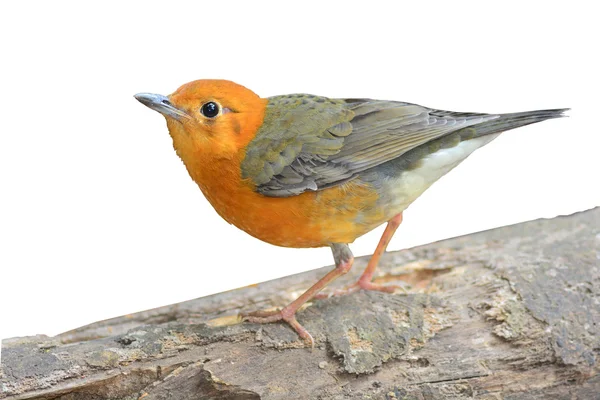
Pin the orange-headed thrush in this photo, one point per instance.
(309, 171)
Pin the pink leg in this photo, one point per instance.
(343, 262)
(365, 281)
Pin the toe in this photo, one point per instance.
(380, 288)
(262, 316)
(338, 292)
(261, 313)
(301, 331)
(286, 315)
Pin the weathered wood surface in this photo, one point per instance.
(511, 313)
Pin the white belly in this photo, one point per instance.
(409, 185)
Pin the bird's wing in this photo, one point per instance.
(310, 143)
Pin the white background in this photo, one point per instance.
(98, 216)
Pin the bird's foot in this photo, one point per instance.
(360, 285)
(287, 315)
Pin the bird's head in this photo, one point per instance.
(215, 117)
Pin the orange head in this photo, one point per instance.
(209, 118)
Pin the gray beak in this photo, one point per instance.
(161, 103)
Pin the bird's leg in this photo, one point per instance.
(366, 279)
(343, 262)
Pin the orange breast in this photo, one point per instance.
(212, 152)
(312, 219)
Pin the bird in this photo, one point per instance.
(307, 171)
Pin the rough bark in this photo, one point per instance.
(510, 313)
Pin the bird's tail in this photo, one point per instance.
(507, 122)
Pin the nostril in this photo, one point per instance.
(166, 102)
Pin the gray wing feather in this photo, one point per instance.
(327, 142)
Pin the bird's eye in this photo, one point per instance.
(210, 109)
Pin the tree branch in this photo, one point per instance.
(511, 312)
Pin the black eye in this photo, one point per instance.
(210, 109)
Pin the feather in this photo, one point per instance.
(309, 143)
